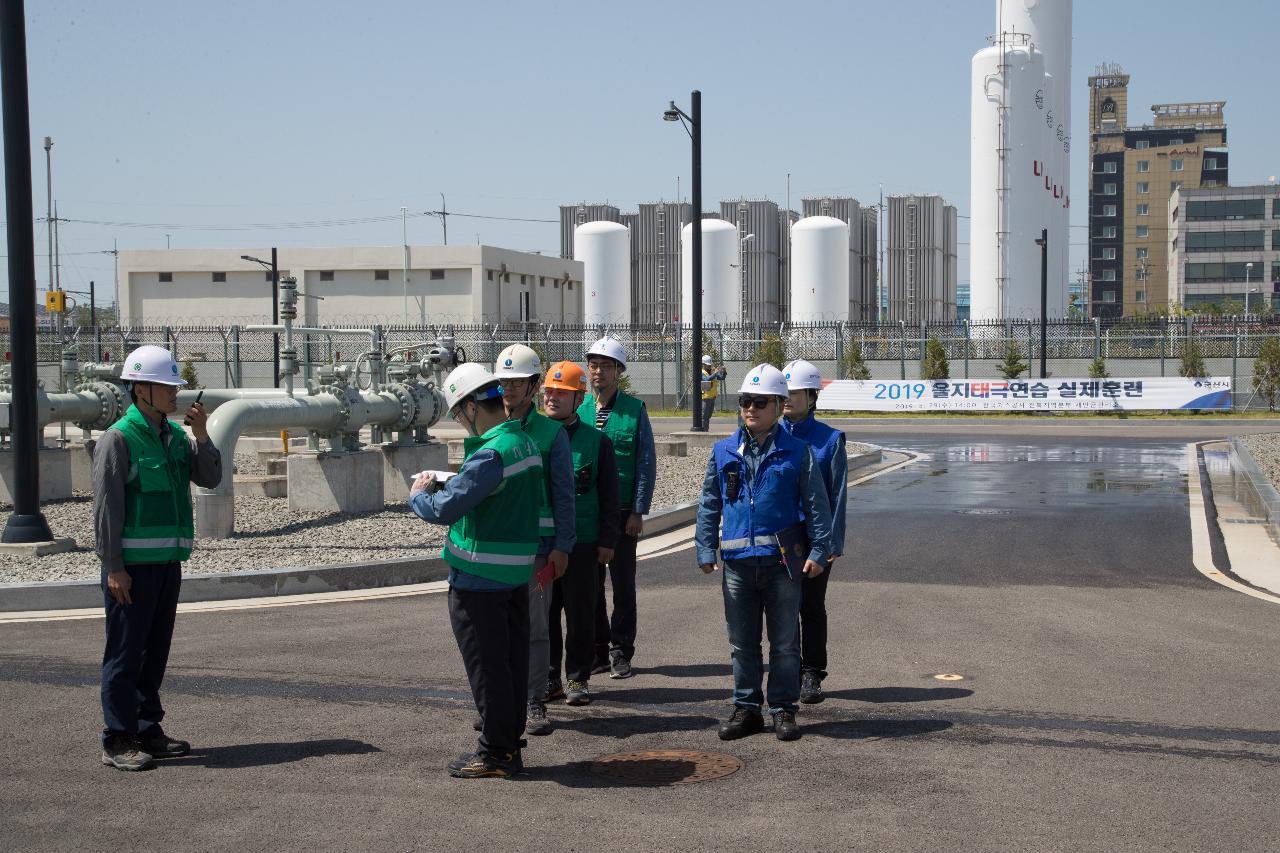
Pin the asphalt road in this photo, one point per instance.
(1112, 697)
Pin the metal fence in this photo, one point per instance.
(658, 355)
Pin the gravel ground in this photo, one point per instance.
(1265, 448)
(267, 531)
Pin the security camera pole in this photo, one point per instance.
(27, 523)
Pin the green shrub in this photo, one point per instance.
(935, 364)
(1098, 369)
(1266, 371)
(1013, 366)
(771, 351)
(1192, 366)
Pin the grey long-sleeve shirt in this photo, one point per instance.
(112, 468)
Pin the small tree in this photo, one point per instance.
(1098, 369)
(935, 364)
(1192, 366)
(854, 366)
(771, 351)
(1266, 371)
(189, 374)
(1013, 366)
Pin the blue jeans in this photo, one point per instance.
(756, 588)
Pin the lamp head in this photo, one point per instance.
(671, 114)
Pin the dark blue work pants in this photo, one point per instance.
(137, 648)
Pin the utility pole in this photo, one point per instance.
(444, 219)
(404, 241)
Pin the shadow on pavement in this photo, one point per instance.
(577, 774)
(693, 670)
(265, 754)
(636, 724)
(873, 729)
(883, 695)
(665, 695)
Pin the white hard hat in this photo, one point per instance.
(765, 379)
(706, 359)
(802, 374)
(609, 347)
(465, 380)
(517, 362)
(151, 363)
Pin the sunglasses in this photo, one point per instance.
(746, 401)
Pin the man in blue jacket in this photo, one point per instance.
(803, 383)
(762, 484)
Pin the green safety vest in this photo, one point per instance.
(543, 430)
(623, 429)
(498, 538)
(585, 447)
(158, 525)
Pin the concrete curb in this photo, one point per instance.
(1253, 488)
(297, 580)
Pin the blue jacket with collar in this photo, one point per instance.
(828, 445)
(782, 494)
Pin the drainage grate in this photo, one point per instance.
(659, 767)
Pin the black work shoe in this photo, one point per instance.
(536, 722)
(810, 688)
(555, 689)
(577, 694)
(479, 765)
(160, 745)
(124, 752)
(743, 722)
(784, 725)
(619, 666)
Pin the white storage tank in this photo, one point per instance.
(605, 251)
(721, 285)
(1008, 203)
(819, 270)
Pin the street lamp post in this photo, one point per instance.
(694, 128)
(1043, 243)
(26, 523)
(1248, 268)
(275, 311)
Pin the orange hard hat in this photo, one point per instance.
(566, 376)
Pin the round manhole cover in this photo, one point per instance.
(984, 511)
(658, 767)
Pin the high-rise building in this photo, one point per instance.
(920, 254)
(1224, 246)
(1135, 170)
(862, 250)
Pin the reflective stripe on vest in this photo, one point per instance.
(484, 553)
(759, 541)
(543, 430)
(157, 542)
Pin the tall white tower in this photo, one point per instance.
(1020, 160)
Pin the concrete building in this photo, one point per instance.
(920, 254)
(446, 284)
(1224, 246)
(1134, 172)
(863, 249)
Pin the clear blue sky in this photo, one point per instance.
(233, 113)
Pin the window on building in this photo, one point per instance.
(556, 284)
(1142, 144)
(1144, 209)
(1275, 208)
(1275, 271)
(1144, 165)
(1231, 209)
(1225, 241)
(1109, 167)
(1142, 231)
(571, 285)
(522, 279)
(1140, 296)
(490, 274)
(1234, 271)
(1141, 252)
(1108, 210)
(1175, 164)
(219, 277)
(1209, 183)
(1275, 241)
(437, 275)
(506, 277)
(1177, 140)
(1144, 187)
(1210, 163)
(267, 276)
(326, 275)
(382, 275)
(1108, 232)
(166, 276)
(1108, 275)
(1141, 273)
(1108, 254)
(542, 281)
(1108, 296)
(1108, 189)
